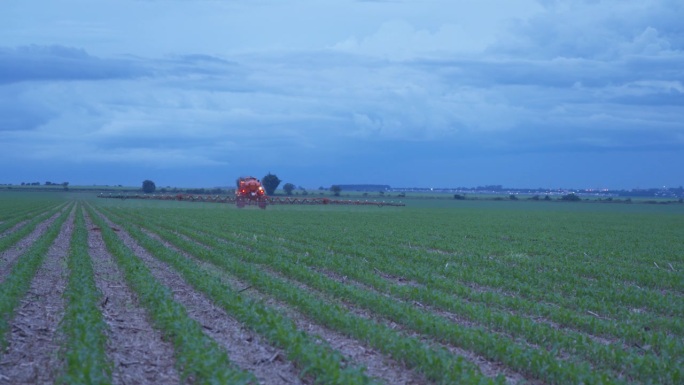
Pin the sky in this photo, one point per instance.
(431, 93)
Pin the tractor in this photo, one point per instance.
(249, 191)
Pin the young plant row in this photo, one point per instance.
(437, 292)
(436, 363)
(371, 241)
(650, 335)
(453, 274)
(13, 216)
(317, 360)
(631, 361)
(635, 329)
(10, 208)
(85, 360)
(10, 239)
(17, 283)
(596, 242)
(643, 367)
(534, 362)
(198, 358)
(547, 276)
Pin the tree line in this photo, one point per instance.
(270, 182)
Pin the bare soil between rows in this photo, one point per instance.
(357, 353)
(137, 350)
(244, 348)
(9, 256)
(31, 355)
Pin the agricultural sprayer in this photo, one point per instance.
(250, 192)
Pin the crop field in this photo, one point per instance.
(452, 292)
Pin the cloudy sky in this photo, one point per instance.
(431, 93)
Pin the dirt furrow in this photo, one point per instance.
(378, 365)
(487, 367)
(138, 351)
(534, 318)
(9, 256)
(31, 356)
(244, 348)
(13, 228)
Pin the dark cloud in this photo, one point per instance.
(196, 64)
(39, 63)
(401, 98)
(19, 113)
(15, 117)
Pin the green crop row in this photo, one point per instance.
(571, 281)
(11, 216)
(467, 266)
(11, 239)
(320, 362)
(17, 283)
(12, 206)
(199, 359)
(484, 290)
(647, 367)
(632, 361)
(436, 363)
(432, 292)
(535, 362)
(85, 360)
(452, 274)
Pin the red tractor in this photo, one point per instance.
(250, 192)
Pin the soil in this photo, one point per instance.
(138, 351)
(33, 341)
(244, 348)
(9, 256)
(377, 365)
(13, 228)
(487, 367)
(140, 354)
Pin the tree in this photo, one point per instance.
(148, 186)
(571, 197)
(336, 190)
(270, 183)
(288, 187)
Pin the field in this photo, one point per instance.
(468, 292)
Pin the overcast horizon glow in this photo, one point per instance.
(437, 93)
